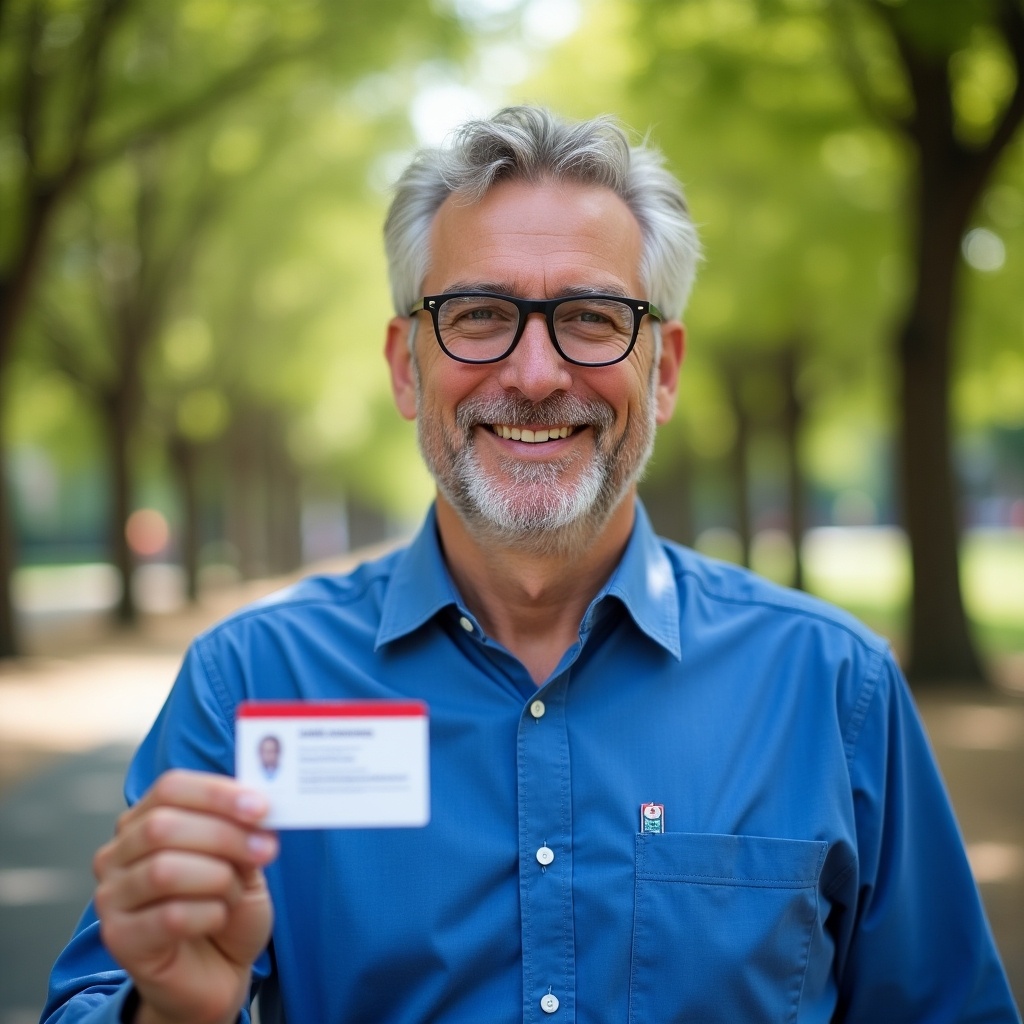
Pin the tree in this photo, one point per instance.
(954, 156)
(135, 258)
(71, 109)
(84, 81)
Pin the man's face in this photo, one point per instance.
(270, 753)
(535, 241)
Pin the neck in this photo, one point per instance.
(531, 598)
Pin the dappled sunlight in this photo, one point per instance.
(870, 566)
(978, 727)
(21, 887)
(55, 591)
(996, 862)
(856, 564)
(993, 575)
(75, 705)
(61, 588)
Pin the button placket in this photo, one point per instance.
(545, 825)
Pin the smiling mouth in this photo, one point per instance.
(535, 436)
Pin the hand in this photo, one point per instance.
(182, 901)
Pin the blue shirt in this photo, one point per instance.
(810, 871)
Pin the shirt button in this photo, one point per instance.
(537, 709)
(549, 1003)
(466, 624)
(545, 855)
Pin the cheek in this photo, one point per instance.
(628, 394)
(445, 384)
(431, 384)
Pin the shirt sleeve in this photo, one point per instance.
(917, 945)
(193, 730)
(104, 1003)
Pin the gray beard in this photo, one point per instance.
(534, 508)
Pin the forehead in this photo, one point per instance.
(536, 239)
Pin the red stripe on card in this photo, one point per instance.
(330, 708)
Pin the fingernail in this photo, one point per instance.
(251, 805)
(260, 846)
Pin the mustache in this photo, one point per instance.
(515, 411)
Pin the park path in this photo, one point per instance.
(69, 720)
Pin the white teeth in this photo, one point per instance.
(531, 436)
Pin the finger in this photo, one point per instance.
(167, 876)
(249, 923)
(136, 936)
(163, 828)
(254, 882)
(200, 791)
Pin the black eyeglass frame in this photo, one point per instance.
(639, 307)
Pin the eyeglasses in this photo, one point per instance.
(587, 330)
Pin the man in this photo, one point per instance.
(795, 858)
(269, 752)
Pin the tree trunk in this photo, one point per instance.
(740, 461)
(119, 423)
(245, 496)
(668, 496)
(792, 425)
(9, 645)
(941, 647)
(949, 179)
(184, 458)
(284, 503)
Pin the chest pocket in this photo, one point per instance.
(721, 927)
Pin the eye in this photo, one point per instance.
(594, 316)
(475, 316)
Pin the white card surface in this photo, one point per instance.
(336, 764)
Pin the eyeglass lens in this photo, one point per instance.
(588, 330)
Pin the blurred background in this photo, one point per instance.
(193, 299)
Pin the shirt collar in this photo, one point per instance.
(646, 585)
(419, 587)
(643, 581)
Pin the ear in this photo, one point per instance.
(403, 380)
(673, 348)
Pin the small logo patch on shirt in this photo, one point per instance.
(652, 817)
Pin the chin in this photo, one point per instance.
(564, 523)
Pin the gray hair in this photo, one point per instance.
(532, 144)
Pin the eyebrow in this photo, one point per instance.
(507, 288)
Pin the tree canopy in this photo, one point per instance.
(246, 150)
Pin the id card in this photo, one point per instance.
(336, 764)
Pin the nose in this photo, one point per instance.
(534, 368)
